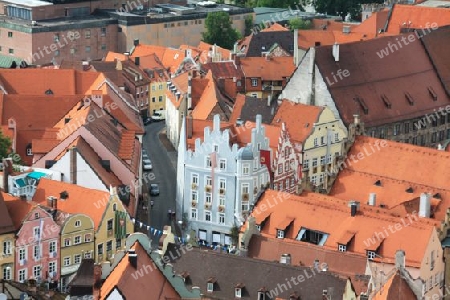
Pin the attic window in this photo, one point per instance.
(29, 150)
(409, 98)
(317, 44)
(432, 93)
(49, 92)
(378, 183)
(210, 287)
(410, 190)
(238, 292)
(64, 195)
(386, 101)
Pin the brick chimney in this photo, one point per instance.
(97, 284)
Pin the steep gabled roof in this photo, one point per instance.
(146, 279)
(246, 108)
(275, 68)
(263, 41)
(388, 91)
(299, 119)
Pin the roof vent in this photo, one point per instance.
(363, 104)
(432, 93)
(378, 183)
(346, 29)
(285, 259)
(386, 101)
(49, 92)
(67, 120)
(409, 98)
(410, 190)
(64, 195)
(437, 196)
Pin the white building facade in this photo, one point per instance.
(218, 183)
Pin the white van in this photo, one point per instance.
(159, 115)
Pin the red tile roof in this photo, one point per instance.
(275, 27)
(299, 119)
(93, 201)
(18, 209)
(126, 147)
(419, 16)
(332, 216)
(154, 285)
(275, 68)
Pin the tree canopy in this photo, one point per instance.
(5, 146)
(299, 23)
(219, 30)
(342, 7)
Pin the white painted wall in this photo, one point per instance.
(115, 295)
(86, 177)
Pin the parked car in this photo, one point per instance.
(154, 189)
(159, 115)
(147, 165)
(147, 121)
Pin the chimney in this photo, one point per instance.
(136, 42)
(424, 206)
(132, 258)
(356, 119)
(372, 199)
(7, 170)
(97, 282)
(235, 48)
(400, 259)
(269, 100)
(137, 60)
(258, 122)
(189, 91)
(336, 52)
(85, 65)
(189, 126)
(73, 165)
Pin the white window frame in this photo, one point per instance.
(316, 142)
(208, 180)
(7, 273)
(86, 239)
(254, 82)
(222, 164)
(7, 247)
(222, 184)
(37, 271)
(314, 162)
(52, 266)
(221, 218)
(280, 234)
(22, 253)
(194, 214)
(194, 195)
(246, 169)
(222, 200)
(210, 287)
(67, 242)
(37, 252)
(342, 248)
(371, 254)
(208, 213)
(77, 257)
(336, 137)
(67, 261)
(208, 198)
(77, 223)
(208, 162)
(22, 275)
(75, 240)
(238, 292)
(305, 164)
(194, 179)
(245, 189)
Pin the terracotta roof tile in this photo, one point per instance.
(126, 147)
(374, 23)
(207, 101)
(112, 56)
(275, 69)
(17, 208)
(153, 285)
(332, 216)
(332, 25)
(224, 69)
(419, 16)
(238, 104)
(389, 78)
(94, 201)
(275, 27)
(6, 222)
(299, 118)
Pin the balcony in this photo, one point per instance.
(221, 208)
(208, 206)
(194, 186)
(194, 204)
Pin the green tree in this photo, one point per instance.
(342, 7)
(219, 30)
(248, 25)
(5, 146)
(234, 234)
(279, 4)
(299, 23)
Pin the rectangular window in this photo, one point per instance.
(314, 162)
(208, 198)
(160, 98)
(336, 137)
(245, 169)
(194, 214)
(322, 160)
(56, 38)
(194, 196)
(103, 47)
(316, 143)
(371, 254)
(103, 31)
(87, 238)
(195, 179)
(36, 252)
(396, 129)
(406, 127)
(208, 162)
(52, 247)
(10, 34)
(87, 34)
(153, 99)
(7, 248)
(223, 164)
(7, 273)
(22, 275)
(208, 181)
(207, 216)
(67, 261)
(382, 133)
(77, 240)
(77, 259)
(342, 248)
(109, 246)
(280, 168)
(222, 201)
(254, 82)
(100, 248)
(87, 49)
(109, 225)
(280, 234)
(245, 189)
(305, 164)
(322, 140)
(52, 267)
(433, 137)
(22, 254)
(221, 218)
(222, 184)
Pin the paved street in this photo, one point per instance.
(163, 157)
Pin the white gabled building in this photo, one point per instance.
(214, 200)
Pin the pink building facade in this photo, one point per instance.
(37, 247)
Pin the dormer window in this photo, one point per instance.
(258, 227)
(280, 234)
(237, 292)
(29, 150)
(342, 248)
(371, 254)
(261, 295)
(210, 287)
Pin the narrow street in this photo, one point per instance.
(163, 157)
